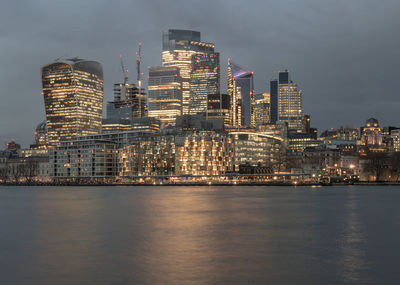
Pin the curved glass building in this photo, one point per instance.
(73, 91)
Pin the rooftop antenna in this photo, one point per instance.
(138, 60)
(124, 70)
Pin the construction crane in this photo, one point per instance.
(124, 70)
(139, 75)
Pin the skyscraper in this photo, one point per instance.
(274, 101)
(178, 48)
(261, 108)
(204, 84)
(286, 102)
(241, 92)
(73, 98)
(165, 94)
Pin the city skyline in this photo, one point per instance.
(340, 65)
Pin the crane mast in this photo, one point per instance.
(139, 75)
(124, 70)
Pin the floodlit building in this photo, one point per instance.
(186, 153)
(73, 98)
(253, 148)
(84, 158)
(205, 84)
(286, 102)
(395, 134)
(41, 138)
(342, 133)
(165, 94)
(371, 133)
(299, 141)
(241, 93)
(262, 108)
(178, 48)
(145, 124)
(203, 153)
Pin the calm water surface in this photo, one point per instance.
(200, 235)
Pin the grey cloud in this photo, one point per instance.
(343, 54)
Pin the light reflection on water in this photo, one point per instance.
(199, 235)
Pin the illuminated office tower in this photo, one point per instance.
(73, 97)
(241, 92)
(165, 94)
(178, 48)
(286, 102)
(204, 84)
(261, 108)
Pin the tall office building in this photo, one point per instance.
(273, 115)
(286, 102)
(241, 92)
(73, 97)
(178, 48)
(205, 85)
(165, 94)
(261, 108)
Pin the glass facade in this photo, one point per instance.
(165, 94)
(262, 108)
(241, 92)
(178, 48)
(204, 83)
(188, 153)
(255, 149)
(73, 97)
(286, 102)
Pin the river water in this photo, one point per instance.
(200, 235)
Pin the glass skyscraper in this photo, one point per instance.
(73, 97)
(286, 102)
(261, 108)
(165, 94)
(178, 48)
(241, 92)
(205, 84)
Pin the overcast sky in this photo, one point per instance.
(343, 54)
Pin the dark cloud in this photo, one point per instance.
(343, 54)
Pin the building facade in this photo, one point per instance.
(241, 92)
(286, 102)
(205, 84)
(73, 98)
(178, 48)
(262, 108)
(253, 148)
(84, 158)
(165, 94)
(192, 153)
